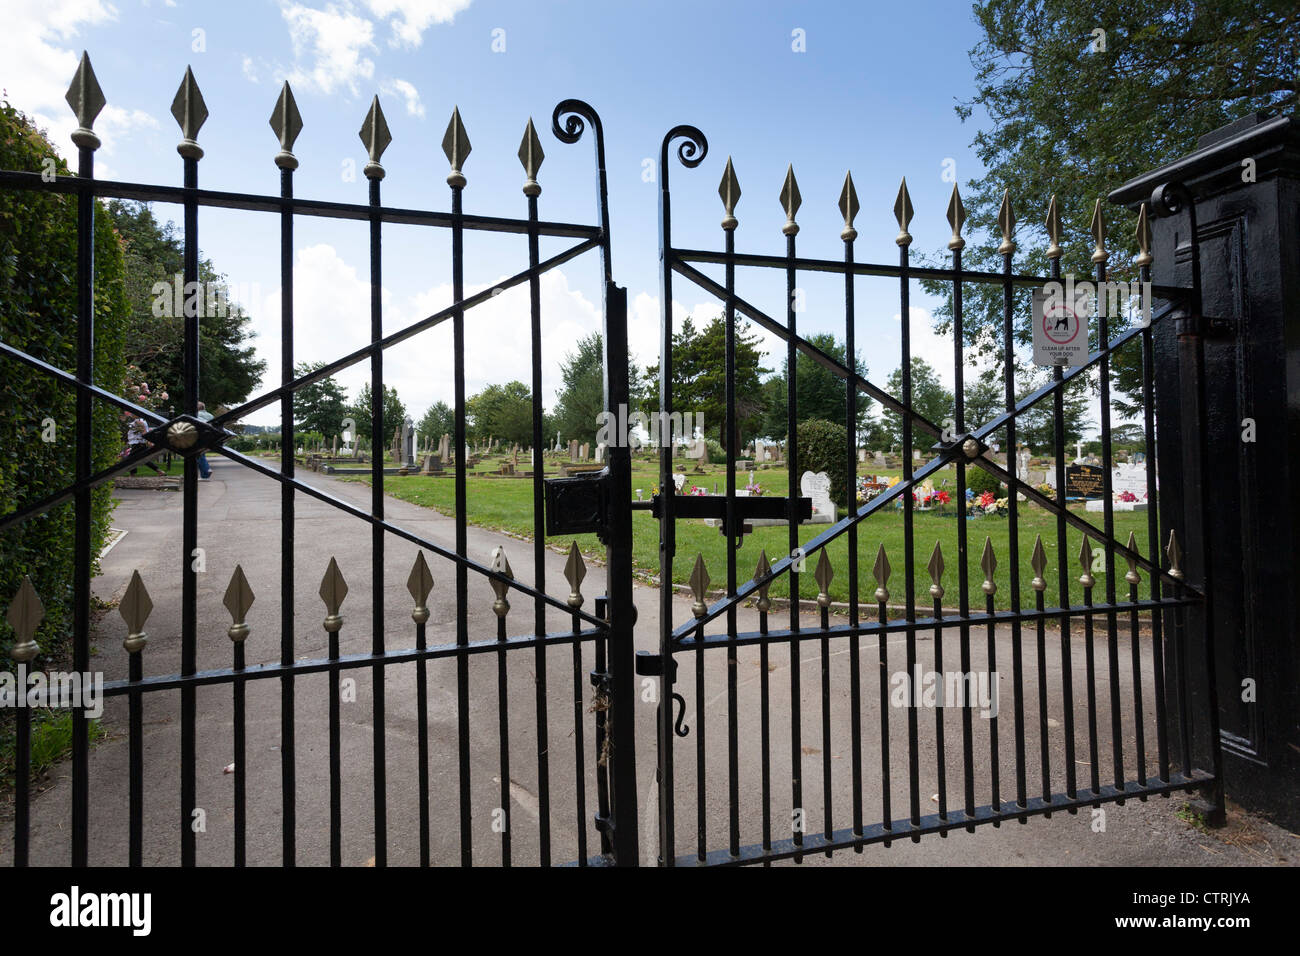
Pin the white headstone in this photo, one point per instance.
(818, 488)
(679, 481)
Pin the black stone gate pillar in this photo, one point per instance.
(1243, 182)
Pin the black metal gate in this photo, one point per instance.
(608, 755)
(855, 804)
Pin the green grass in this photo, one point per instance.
(507, 505)
(51, 741)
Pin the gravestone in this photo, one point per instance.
(600, 452)
(409, 444)
(818, 488)
(1131, 478)
(878, 459)
(444, 447)
(584, 451)
(1022, 462)
(679, 480)
(1083, 481)
(573, 449)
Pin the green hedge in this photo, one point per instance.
(822, 447)
(38, 314)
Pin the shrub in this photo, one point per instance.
(716, 454)
(822, 447)
(38, 302)
(979, 481)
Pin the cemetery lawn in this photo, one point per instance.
(506, 504)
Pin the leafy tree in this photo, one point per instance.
(582, 397)
(820, 447)
(1075, 114)
(439, 420)
(820, 391)
(700, 383)
(501, 411)
(321, 406)
(394, 413)
(228, 365)
(929, 399)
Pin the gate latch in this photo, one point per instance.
(578, 504)
(747, 508)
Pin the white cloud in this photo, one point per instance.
(936, 350)
(250, 70)
(644, 321)
(407, 92)
(328, 47)
(410, 18)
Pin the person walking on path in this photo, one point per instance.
(205, 470)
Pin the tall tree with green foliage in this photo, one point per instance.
(700, 383)
(582, 396)
(229, 368)
(929, 399)
(320, 406)
(1080, 98)
(502, 412)
(820, 391)
(439, 420)
(394, 413)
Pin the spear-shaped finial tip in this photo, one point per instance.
(956, 219)
(135, 608)
(333, 589)
(903, 213)
(790, 202)
(988, 564)
(848, 208)
(1007, 223)
(501, 565)
(456, 146)
(86, 99)
(762, 574)
(729, 190)
(1085, 562)
(191, 113)
(935, 567)
(1143, 234)
(1038, 561)
(419, 583)
(881, 571)
(24, 616)
(1132, 577)
(699, 586)
(238, 599)
(823, 574)
(531, 155)
(574, 571)
(1053, 223)
(1175, 554)
(1099, 253)
(375, 137)
(286, 123)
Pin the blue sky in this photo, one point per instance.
(872, 91)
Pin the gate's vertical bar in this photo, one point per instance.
(456, 145)
(134, 644)
(935, 567)
(790, 200)
(1038, 561)
(1053, 253)
(501, 607)
(89, 101)
(989, 586)
(823, 577)
(730, 190)
(956, 217)
(333, 588)
(530, 153)
(190, 112)
(903, 212)
(1099, 257)
(764, 604)
(238, 599)
(286, 122)
(419, 584)
(849, 209)
(1144, 261)
(377, 128)
(1090, 667)
(574, 572)
(1135, 647)
(24, 615)
(1006, 219)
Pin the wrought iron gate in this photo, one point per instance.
(855, 804)
(604, 630)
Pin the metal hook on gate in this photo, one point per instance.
(678, 728)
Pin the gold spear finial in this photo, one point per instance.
(574, 571)
(903, 213)
(1053, 223)
(24, 616)
(238, 599)
(1007, 223)
(729, 190)
(135, 609)
(1099, 253)
(286, 122)
(501, 565)
(956, 219)
(989, 564)
(333, 589)
(848, 208)
(699, 586)
(935, 567)
(762, 573)
(419, 583)
(191, 113)
(1175, 556)
(881, 571)
(1038, 561)
(1143, 234)
(531, 155)
(1132, 577)
(790, 202)
(1085, 562)
(823, 575)
(376, 137)
(455, 143)
(86, 99)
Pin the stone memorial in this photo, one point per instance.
(1084, 481)
(818, 488)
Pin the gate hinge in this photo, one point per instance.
(579, 504)
(651, 664)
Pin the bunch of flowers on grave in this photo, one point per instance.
(753, 487)
(1125, 496)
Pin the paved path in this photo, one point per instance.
(239, 522)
